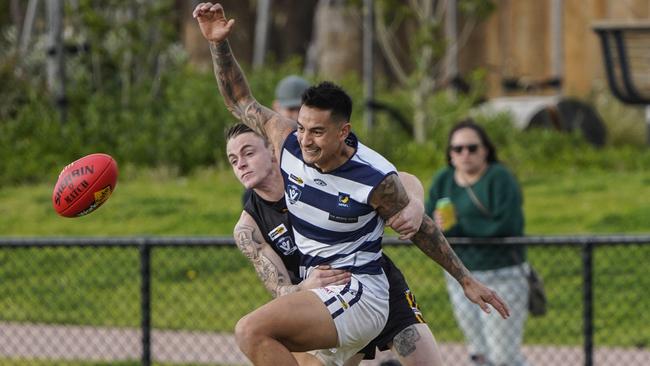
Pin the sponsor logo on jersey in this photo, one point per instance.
(297, 180)
(344, 200)
(277, 231)
(320, 182)
(343, 219)
(286, 245)
(294, 193)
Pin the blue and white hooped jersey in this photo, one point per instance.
(332, 219)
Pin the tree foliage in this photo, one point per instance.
(418, 63)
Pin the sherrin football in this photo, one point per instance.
(84, 185)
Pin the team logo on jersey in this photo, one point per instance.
(294, 193)
(297, 180)
(286, 245)
(277, 231)
(344, 200)
(320, 182)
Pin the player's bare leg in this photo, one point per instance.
(416, 346)
(307, 359)
(296, 322)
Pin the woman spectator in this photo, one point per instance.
(476, 196)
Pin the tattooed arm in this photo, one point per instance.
(269, 266)
(232, 82)
(390, 197)
(408, 220)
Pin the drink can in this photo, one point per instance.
(445, 207)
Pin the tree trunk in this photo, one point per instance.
(292, 23)
(55, 59)
(423, 89)
(337, 39)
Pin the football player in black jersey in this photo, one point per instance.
(264, 235)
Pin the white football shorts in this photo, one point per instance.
(359, 310)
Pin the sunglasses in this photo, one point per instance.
(471, 148)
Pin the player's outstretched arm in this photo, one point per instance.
(270, 268)
(231, 80)
(389, 198)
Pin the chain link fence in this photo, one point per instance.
(175, 301)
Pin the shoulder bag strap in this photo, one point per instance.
(477, 202)
(487, 213)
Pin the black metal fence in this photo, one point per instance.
(175, 301)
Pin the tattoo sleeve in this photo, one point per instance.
(268, 265)
(239, 99)
(389, 198)
(433, 243)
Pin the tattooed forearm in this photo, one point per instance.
(251, 245)
(287, 289)
(226, 71)
(433, 243)
(234, 88)
(389, 197)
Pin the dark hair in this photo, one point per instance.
(239, 129)
(329, 97)
(485, 140)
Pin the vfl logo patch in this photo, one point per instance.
(344, 200)
(297, 180)
(286, 245)
(320, 182)
(294, 193)
(277, 231)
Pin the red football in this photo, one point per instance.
(84, 185)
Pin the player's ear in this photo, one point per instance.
(345, 130)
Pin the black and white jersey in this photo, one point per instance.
(272, 218)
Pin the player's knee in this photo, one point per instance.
(246, 333)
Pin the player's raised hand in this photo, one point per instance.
(324, 275)
(212, 21)
(481, 295)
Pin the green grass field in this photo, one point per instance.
(209, 203)
(98, 286)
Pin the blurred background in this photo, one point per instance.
(560, 85)
(134, 79)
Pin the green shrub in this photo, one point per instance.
(181, 126)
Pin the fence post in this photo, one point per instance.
(588, 302)
(145, 300)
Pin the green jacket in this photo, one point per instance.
(500, 194)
